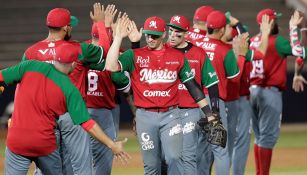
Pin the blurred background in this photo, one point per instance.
(22, 23)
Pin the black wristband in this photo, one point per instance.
(207, 111)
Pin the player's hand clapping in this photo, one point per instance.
(118, 151)
(122, 26)
(266, 25)
(98, 13)
(109, 14)
(134, 35)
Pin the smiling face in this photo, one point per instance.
(154, 42)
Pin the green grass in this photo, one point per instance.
(291, 137)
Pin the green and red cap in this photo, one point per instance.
(179, 22)
(202, 13)
(60, 17)
(216, 20)
(66, 53)
(270, 12)
(154, 26)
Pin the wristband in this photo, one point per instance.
(207, 111)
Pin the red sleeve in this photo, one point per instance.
(258, 55)
(1, 77)
(88, 125)
(299, 61)
(103, 37)
(241, 62)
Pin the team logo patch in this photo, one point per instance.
(146, 143)
(188, 127)
(177, 19)
(143, 62)
(175, 130)
(153, 24)
(158, 76)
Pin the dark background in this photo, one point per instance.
(22, 23)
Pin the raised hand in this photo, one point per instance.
(110, 13)
(266, 25)
(240, 44)
(122, 26)
(134, 35)
(296, 19)
(118, 151)
(98, 13)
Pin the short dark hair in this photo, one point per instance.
(55, 29)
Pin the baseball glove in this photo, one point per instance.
(215, 131)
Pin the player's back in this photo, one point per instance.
(42, 97)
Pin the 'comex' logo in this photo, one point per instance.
(153, 24)
(146, 142)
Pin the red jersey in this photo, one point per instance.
(44, 94)
(154, 75)
(101, 90)
(272, 69)
(204, 74)
(88, 54)
(196, 36)
(225, 65)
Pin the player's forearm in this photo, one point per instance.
(298, 66)
(113, 54)
(99, 135)
(214, 97)
(297, 48)
(264, 44)
(103, 36)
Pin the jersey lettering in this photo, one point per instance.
(92, 81)
(210, 55)
(158, 76)
(258, 70)
(148, 93)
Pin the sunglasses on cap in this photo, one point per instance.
(154, 37)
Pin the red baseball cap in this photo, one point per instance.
(270, 12)
(60, 17)
(66, 53)
(179, 22)
(202, 13)
(95, 31)
(216, 20)
(154, 26)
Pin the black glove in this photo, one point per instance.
(215, 131)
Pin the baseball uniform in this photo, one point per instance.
(31, 134)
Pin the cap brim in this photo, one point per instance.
(176, 27)
(150, 32)
(73, 21)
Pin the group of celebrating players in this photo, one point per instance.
(194, 97)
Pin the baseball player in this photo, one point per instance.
(204, 74)
(228, 70)
(154, 75)
(199, 30)
(31, 135)
(101, 100)
(268, 80)
(73, 138)
(243, 129)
